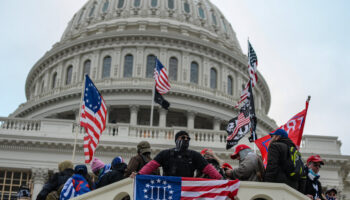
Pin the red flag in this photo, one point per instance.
(294, 127)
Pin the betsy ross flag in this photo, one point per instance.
(148, 187)
(252, 64)
(161, 77)
(294, 127)
(92, 118)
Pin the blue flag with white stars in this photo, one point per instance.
(149, 187)
(92, 97)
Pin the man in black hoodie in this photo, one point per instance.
(278, 153)
(115, 174)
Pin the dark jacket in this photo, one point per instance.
(278, 153)
(115, 174)
(136, 163)
(216, 165)
(309, 189)
(55, 182)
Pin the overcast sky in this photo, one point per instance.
(303, 48)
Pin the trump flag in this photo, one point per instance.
(149, 187)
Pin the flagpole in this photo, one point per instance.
(77, 129)
(153, 93)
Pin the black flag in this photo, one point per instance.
(253, 119)
(158, 98)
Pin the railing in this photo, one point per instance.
(19, 124)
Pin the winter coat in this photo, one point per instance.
(106, 169)
(136, 163)
(115, 174)
(250, 168)
(216, 165)
(309, 188)
(54, 183)
(276, 163)
(75, 186)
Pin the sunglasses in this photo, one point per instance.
(184, 137)
(317, 165)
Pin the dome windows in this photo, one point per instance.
(201, 12)
(229, 85)
(106, 67)
(137, 3)
(154, 3)
(120, 4)
(171, 4)
(213, 17)
(151, 63)
(173, 68)
(213, 78)
(53, 82)
(128, 65)
(69, 75)
(194, 73)
(105, 6)
(92, 10)
(86, 69)
(187, 7)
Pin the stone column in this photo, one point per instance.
(162, 117)
(216, 123)
(190, 119)
(39, 177)
(133, 114)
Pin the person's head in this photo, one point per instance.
(116, 161)
(314, 163)
(182, 140)
(226, 166)
(331, 194)
(23, 193)
(240, 152)
(81, 169)
(67, 164)
(96, 166)
(279, 133)
(206, 153)
(143, 147)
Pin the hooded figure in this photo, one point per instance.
(116, 173)
(141, 159)
(251, 167)
(180, 161)
(52, 189)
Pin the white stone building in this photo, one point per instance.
(116, 42)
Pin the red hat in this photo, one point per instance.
(226, 165)
(315, 159)
(238, 149)
(204, 151)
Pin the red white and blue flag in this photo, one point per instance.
(252, 64)
(149, 187)
(92, 118)
(161, 77)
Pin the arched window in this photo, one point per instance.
(214, 18)
(92, 10)
(213, 78)
(69, 75)
(187, 7)
(81, 15)
(151, 64)
(42, 87)
(154, 3)
(128, 65)
(106, 68)
(201, 12)
(53, 82)
(87, 67)
(224, 24)
(194, 72)
(171, 4)
(137, 3)
(173, 68)
(120, 3)
(105, 6)
(229, 85)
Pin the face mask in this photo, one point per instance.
(182, 145)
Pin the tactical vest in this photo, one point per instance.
(179, 164)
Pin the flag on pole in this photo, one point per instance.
(161, 77)
(148, 187)
(158, 98)
(246, 121)
(252, 64)
(294, 127)
(244, 95)
(93, 118)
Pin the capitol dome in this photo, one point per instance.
(116, 43)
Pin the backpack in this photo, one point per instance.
(295, 165)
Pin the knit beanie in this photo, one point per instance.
(96, 164)
(117, 160)
(180, 133)
(80, 169)
(67, 164)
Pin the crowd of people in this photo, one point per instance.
(181, 161)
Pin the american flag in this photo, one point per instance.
(149, 187)
(92, 118)
(244, 95)
(252, 64)
(161, 77)
(243, 119)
